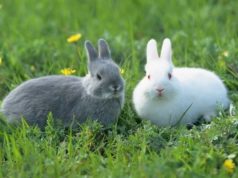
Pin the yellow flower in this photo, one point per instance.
(1, 60)
(74, 38)
(67, 71)
(229, 165)
(225, 53)
(122, 71)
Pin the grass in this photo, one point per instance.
(33, 43)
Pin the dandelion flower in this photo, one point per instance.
(229, 165)
(74, 38)
(225, 53)
(67, 71)
(122, 71)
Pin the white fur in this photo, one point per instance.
(190, 94)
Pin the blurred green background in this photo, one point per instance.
(33, 43)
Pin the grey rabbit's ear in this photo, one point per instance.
(103, 48)
(91, 51)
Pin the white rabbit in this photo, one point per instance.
(168, 95)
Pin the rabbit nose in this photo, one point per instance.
(160, 90)
(114, 87)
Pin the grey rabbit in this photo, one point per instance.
(97, 96)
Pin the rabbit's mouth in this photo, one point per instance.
(159, 94)
(115, 94)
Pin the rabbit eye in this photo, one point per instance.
(169, 75)
(148, 77)
(99, 77)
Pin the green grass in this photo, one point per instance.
(33, 43)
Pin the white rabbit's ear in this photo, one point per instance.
(151, 51)
(166, 50)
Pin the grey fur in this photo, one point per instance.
(99, 95)
(91, 51)
(103, 48)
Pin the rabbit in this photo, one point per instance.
(169, 96)
(97, 96)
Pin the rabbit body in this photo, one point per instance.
(70, 98)
(168, 96)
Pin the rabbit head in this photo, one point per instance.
(159, 81)
(104, 79)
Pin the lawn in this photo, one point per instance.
(33, 43)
